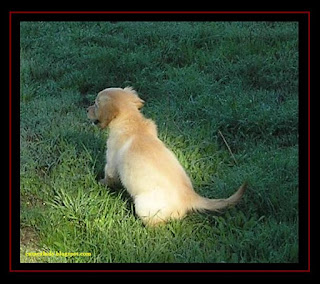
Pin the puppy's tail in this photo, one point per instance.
(202, 203)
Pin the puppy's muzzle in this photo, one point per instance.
(91, 116)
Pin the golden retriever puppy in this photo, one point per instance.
(136, 157)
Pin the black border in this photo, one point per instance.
(157, 16)
(303, 17)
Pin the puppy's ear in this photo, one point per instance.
(134, 97)
(107, 113)
(138, 102)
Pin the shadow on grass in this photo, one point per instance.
(94, 147)
(91, 145)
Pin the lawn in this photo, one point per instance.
(201, 81)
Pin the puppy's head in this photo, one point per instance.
(111, 103)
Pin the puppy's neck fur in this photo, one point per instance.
(132, 122)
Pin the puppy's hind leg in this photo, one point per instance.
(151, 221)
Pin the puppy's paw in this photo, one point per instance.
(103, 181)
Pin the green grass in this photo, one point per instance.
(197, 78)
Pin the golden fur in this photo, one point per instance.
(137, 158)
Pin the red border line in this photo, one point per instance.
(162, 270)
(160, 12)
(309, 184)
(10, 142)
(148, 12)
